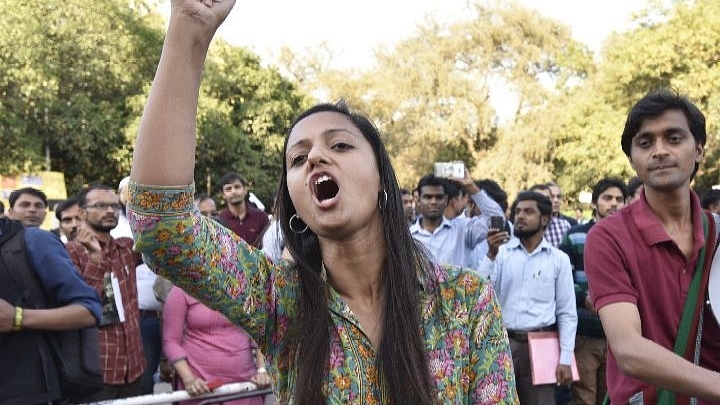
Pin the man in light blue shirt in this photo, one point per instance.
(534, 284)
(451, 241)
(493, 189)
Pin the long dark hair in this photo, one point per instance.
(401, 355)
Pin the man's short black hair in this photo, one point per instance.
(544, 204)
(202, 197)
(493, 189)
(231, 177)
(540, 186)
(453, 189)
(656, 103)
(82, 195)
(633, 185)
(606, 183)
(64, 205)
(431, 180)
(710, 197)
(15, 195)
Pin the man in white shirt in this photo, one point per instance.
(123, 226)
(451, 241)
(535, 288)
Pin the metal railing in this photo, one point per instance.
(240, 395)
(222, 393)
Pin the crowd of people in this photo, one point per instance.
(140, 316)
(353, 290)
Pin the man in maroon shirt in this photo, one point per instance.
(108, 265)
(239, 216)
(640, 261)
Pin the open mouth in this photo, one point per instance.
(325, 188)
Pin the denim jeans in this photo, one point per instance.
(152, 345)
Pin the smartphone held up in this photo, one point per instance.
(450, 170)
(497, 222)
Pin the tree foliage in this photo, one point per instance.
(675, 47)
(73, 80)
(68, 67)
(430, 94)
(257, 107)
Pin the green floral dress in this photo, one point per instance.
(466, 342)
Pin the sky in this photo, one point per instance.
(354, 30)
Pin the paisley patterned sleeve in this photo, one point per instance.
(212, 263)
(492, 377)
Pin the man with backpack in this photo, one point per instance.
(31, 374)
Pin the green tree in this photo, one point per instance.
(675, 47)
(430, 94)
(74, 75)
(585, 141)
(68, 68)
(242, 127)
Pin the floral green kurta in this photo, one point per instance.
(466, 343)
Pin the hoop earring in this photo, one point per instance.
(382, 202)
(290, 223)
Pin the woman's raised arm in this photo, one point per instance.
(165, 146)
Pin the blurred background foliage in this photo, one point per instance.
(74, 76)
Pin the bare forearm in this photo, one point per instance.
(168, 121)
(647, 361)
(67, 317)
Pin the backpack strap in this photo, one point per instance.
(14, 254)
(690, 329)
(691, 319)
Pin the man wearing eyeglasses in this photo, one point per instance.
(108, 265)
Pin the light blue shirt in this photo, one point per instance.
(453, 241)
(535, 290)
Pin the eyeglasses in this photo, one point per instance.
(105, 206)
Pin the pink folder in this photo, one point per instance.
(545, 356)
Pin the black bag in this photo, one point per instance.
(78, 358)
(76, 351)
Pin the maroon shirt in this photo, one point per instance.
(121, 351)
(250, 228)
(630, 258)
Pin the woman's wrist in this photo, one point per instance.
(197, 31)
(261, 370)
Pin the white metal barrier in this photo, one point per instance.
(169, 397)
